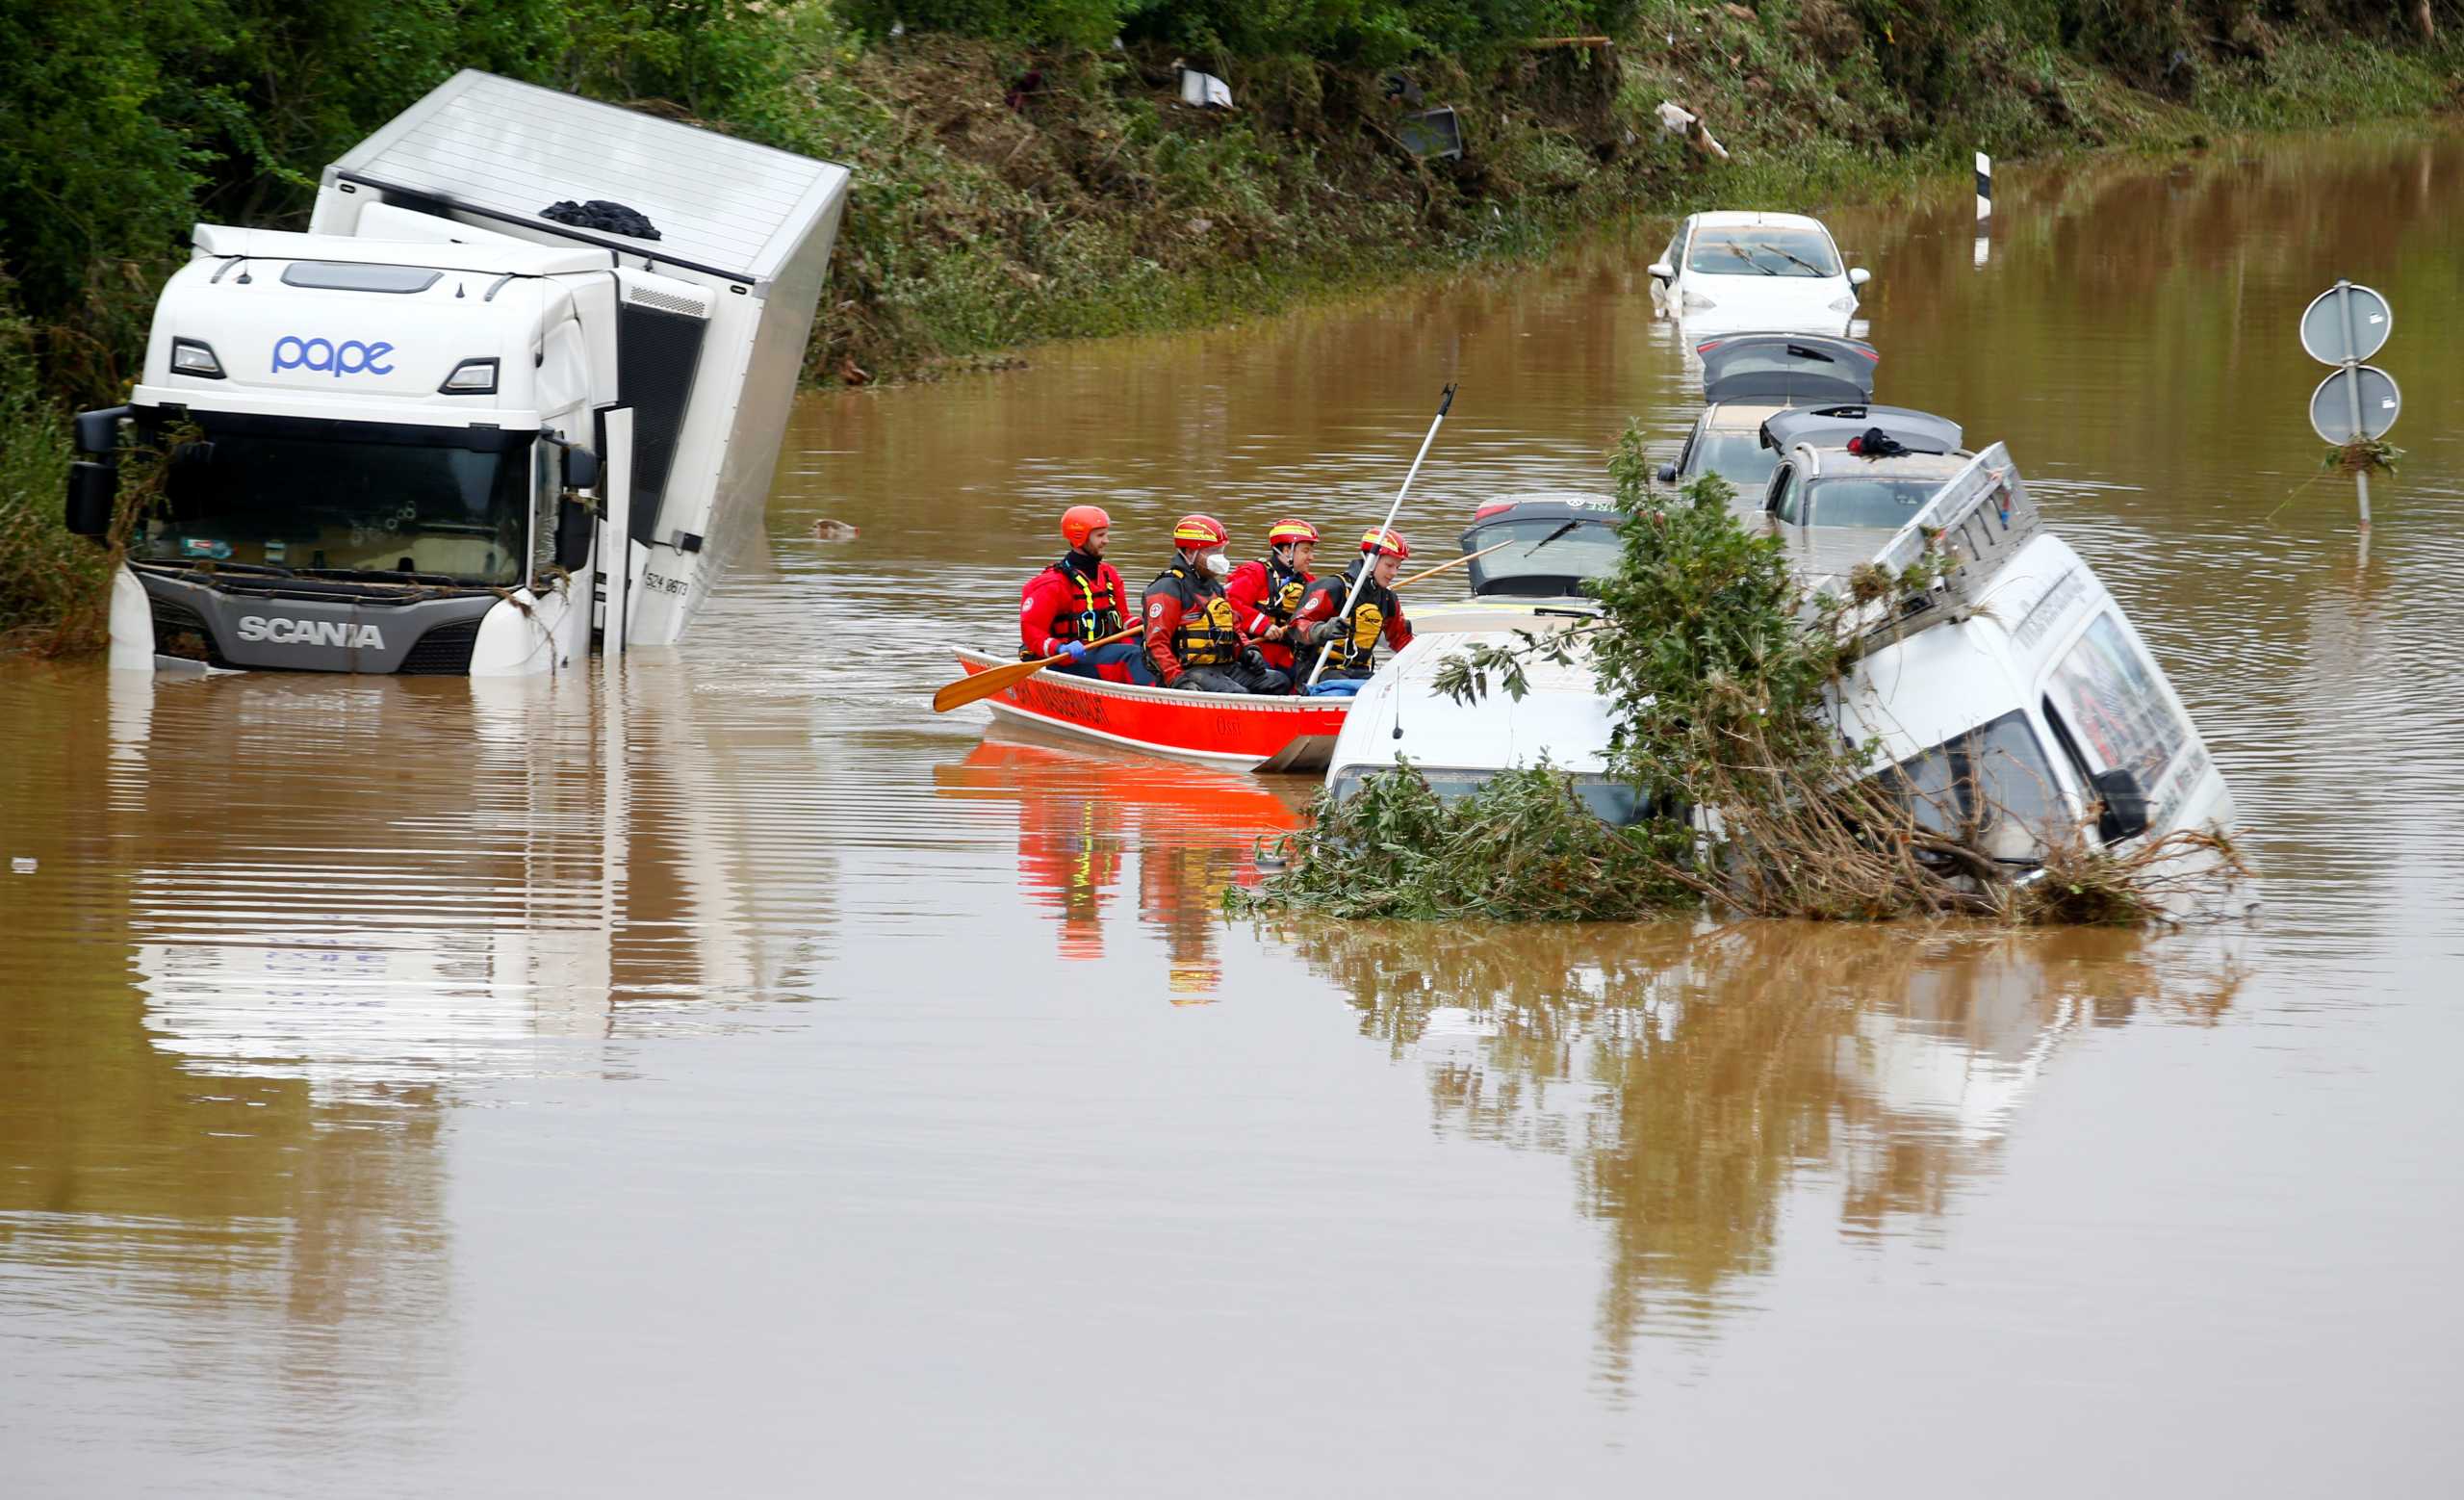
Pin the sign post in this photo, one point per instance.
(2342, 327)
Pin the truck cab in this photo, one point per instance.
(381, 439)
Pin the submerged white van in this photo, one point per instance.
(2012, 695)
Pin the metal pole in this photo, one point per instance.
(2352, 392)
(1361, 578)
(615, 530)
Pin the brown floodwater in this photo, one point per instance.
(738, 1079)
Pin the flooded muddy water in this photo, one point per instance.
(735, 1079)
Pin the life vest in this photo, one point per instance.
(1355, 640)
(1209, 633)
(1285, 587)
(1099, 607)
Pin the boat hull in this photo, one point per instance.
(1248, 732)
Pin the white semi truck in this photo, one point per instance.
(385, 435)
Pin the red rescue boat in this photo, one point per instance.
(1252, 732)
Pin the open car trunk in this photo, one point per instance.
(1795, 368)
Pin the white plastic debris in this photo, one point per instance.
(1204, 90)
(1679, 121)
(21, 864)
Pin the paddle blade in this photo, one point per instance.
(984, 685)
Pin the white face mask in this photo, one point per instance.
(1218, 564)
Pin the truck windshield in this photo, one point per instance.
(361, 497)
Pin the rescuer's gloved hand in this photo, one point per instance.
(1074, 650)
(1253, 659)
(1184, 683)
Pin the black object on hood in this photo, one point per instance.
(1875, 443)
(602, 214)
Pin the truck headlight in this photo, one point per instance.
(194, 357)
(1844, 304)
(472, 377)
(1697, 302)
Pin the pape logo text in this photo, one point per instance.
(348, 357)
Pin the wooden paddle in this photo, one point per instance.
(992, 680)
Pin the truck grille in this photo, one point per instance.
(443, 652)
(181, 631)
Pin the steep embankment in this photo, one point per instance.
(1010, 197)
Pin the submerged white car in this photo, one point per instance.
(1765, 272)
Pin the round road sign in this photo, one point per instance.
(2331, 404)
(2324, 321)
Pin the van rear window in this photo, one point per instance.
(2113, 702)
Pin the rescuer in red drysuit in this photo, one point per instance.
(1078, 600)
(1194, 640)
(1266, 591)
(1351, 636)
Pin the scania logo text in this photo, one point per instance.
(310, 633)
(348, 357)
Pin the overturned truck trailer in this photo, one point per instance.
(385, 435)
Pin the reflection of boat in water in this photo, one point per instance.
(1247, 731)
(1083, 811)
(1693, 1077)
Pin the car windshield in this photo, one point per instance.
(1990, 789)
(1738, 458)
(1871, 502)
(1537, 555)
(320, 496)
(1761, 251)
(1612, 801)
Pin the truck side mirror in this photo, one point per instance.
(2125, 810)
(574, 524)
(1668, 474)
(1660, 270)
(98, 431)
(582, 467)
(1859, 276)
(93, 489)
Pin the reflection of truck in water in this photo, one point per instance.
(377, 427)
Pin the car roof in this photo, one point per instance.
(1729, 217)
(1812, 458)
(1831, 426)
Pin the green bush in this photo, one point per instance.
(51, 583)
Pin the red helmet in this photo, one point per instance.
(1385, 542)
(1199, 531)
(1078, 522)
(1283, 533)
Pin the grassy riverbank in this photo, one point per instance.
(1011, 189)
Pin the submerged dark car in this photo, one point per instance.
(1541, 544)
(1750, 377)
